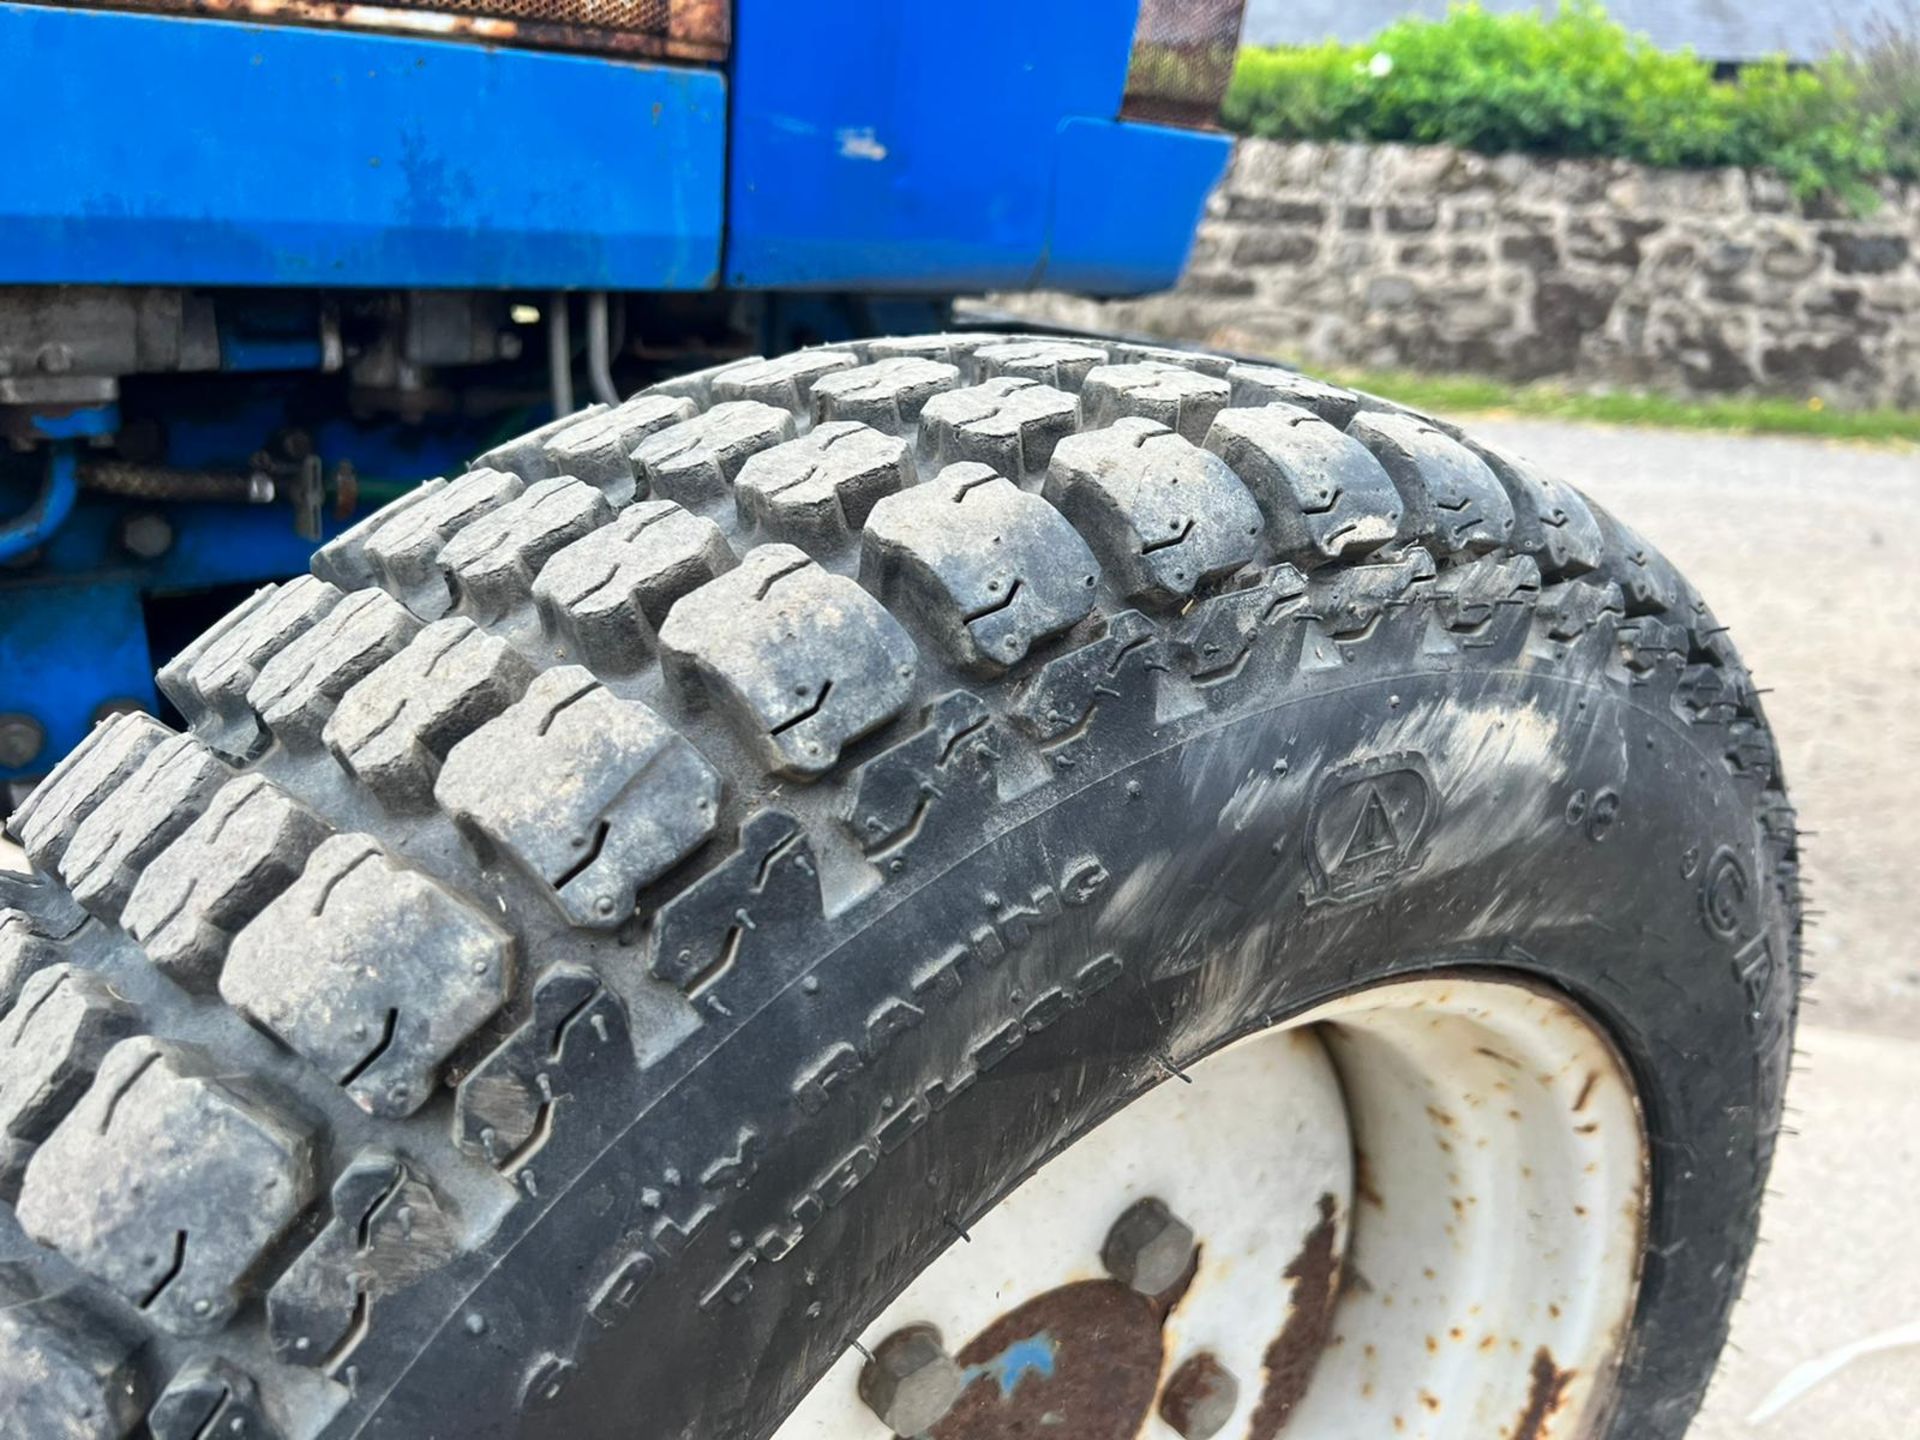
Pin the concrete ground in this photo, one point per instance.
(1836, 1261)
(1799, 546)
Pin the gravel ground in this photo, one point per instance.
(1797, 546)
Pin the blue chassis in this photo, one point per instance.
(853, 146)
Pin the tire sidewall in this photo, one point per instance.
(1032, 967)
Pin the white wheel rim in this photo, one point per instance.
(1486, 1244)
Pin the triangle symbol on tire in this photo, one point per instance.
(1373, 833)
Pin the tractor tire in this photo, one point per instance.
(635, 905)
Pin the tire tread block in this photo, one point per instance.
(606, 596)
(65, 1374)
(1551, 522)
(404, 553)
(697, 385)
(1324, 495)
(786, 383)
(529, 456)
(80, 784)
(1010, 423)
(392, 731)
(1063, 364)
(298, 688)
(608, 797)
(51, 1043)
(802, 661)
(222, 871)
(696, 462)
(490, 566)
(371, 970)
(1164, 516)
(168, 792)
(599, 450)
(887, 394)
(167, 1185)
(953, 348)
(991, 569)
(24, 952)
(1258, 385)
(1183, 400)
(343, 561)
(209, 681)
(1126, 352)
(1454, 503)
(818, 490)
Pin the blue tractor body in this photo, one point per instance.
(257, 277)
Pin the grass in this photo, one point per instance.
(1469, 394)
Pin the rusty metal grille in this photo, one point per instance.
(697, 30)
(1182, 59)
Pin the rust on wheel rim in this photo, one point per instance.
(1417, 1211)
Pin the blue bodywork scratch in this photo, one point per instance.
(952, 148)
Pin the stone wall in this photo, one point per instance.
(1599, 272)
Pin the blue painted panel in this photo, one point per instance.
(921, 147)
(1126, 202)
(63, 650)
(192, 151)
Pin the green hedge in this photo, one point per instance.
(1574, 83)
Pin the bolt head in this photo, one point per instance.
(146, 535)
(1200, 1397)
(22, 738)
(911, 1382)
(1149, 1248)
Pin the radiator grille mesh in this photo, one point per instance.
(1182, 59)
(698, 30)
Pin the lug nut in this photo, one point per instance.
(1200, 1397)
(22, 738)
(1148, 1248)
(911, 1382)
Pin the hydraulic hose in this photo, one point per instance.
(160, 482)
(50, 509)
